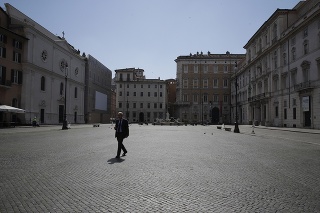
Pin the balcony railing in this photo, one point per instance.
(304, 85)
(259, 97)
(6, 83)
(182, 103)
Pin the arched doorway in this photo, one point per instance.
(141, 117)
(215, 115)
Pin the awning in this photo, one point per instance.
(5, 108)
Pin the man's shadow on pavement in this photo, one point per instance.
(115, 160)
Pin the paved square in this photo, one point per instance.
(167, 169)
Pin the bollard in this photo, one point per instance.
(252, 129)
(223, 126)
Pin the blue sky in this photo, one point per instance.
(150, 34)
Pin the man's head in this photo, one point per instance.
(120, 114)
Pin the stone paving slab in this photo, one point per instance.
(167, 169)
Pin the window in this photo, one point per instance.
(185, 83)
(305, 32)
(120, 105)
(160, 94)
(141, 105)
(148, 85)
(195, 83)
(61, 88)
(225, 83)
(155, 86)
(120, 85)
(225, 68)
(306, 74)
(121, 78)
(284, 59)
(128, 77)
(215, 83)
(148, 105)
(134, 105)
(43, 83)
(293, 51)
(277, 111)
(185, 68)
(134, 93)
(205, 69)
(14, 102)
(284, 82)
(160, 86)
(134, 86)
(195, 98)
(141, 94)
(3, 38)
(305, 47)
(215, 68)
(195, 68)
(293, 41)
(148, 94)
(160, 106)
(2, 75)
(275, 84)
(141, 86)
(285, 113)
(205, 83)
(16, 76)
(294, 78)
(76, 92)
(205, 98)
(275, 31)
(16, 57)
(120, 93)
(216, 98)
(2, 52)
(275, 59)
(17, 44)
(225, 99)
(185, 97)
(155, 94)
(294, 113)
(128, 94)
(155, 105)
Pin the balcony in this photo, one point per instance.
(182, 103)
(304, 86)
(6, 84)
(259, 97)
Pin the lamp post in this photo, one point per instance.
(236, 126)
(65, 122)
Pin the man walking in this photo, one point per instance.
(122, 131)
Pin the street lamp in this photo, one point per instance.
(236, 126)
(65, 122)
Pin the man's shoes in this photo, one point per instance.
(124, 154)
(117, 157)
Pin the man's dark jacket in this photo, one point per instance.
(124, 128)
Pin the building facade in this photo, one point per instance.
(171, 97)
(279, 82)
(98, 92)
(12, 52)
(203, 87)
(53, 74)
(140, 99)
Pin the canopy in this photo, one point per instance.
(5, 108)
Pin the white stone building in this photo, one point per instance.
(48, 59)
(140, 99)
(279, 82)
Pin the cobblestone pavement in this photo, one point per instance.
(167, 169)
